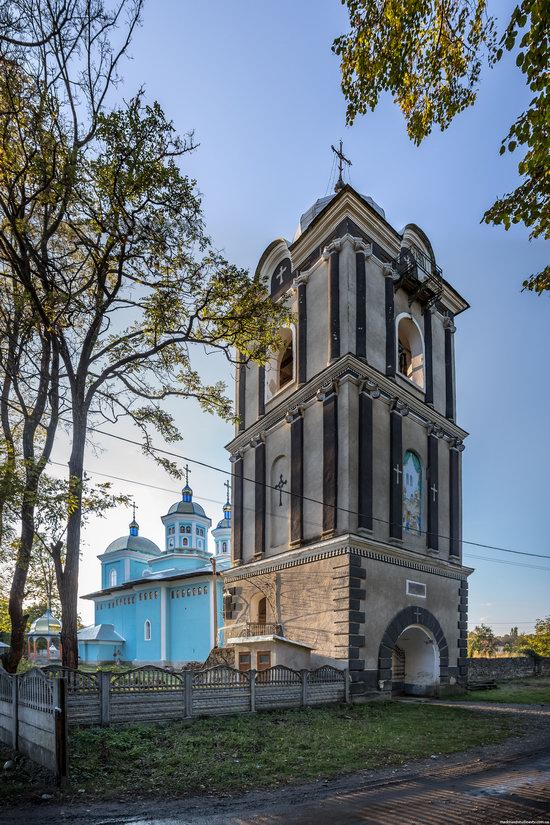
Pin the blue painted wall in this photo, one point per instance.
(94, 652)
(106, 572)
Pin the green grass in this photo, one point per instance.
(530, 691)
(236, 754)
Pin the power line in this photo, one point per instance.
(283, 492)
(504, 561)
(303, 497)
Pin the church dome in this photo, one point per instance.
(46, 624)
(134, 541)
(309, 216)
(187, 506)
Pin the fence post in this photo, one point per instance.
(105, 697)
(60, 728)
(188, 693)
(305, 675)
(15, 715)
(346, 687)
(252, 676)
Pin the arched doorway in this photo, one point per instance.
(415, 663)
(413, 657)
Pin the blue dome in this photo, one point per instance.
(134, 543)
(187, 508)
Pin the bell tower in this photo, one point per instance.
(347, 456)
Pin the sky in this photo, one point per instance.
(258, 84)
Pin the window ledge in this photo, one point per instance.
(410, 383)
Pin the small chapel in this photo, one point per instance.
(346, 461)
(156, 606)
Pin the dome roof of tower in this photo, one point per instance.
(46, 623)
(310, 215)
(225, 522)
(187, 508)
(139, 543)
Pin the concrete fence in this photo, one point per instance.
(33, 718)
(153, 694)
(503, 669)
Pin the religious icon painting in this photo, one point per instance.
(412, 493)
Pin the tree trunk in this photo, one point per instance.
(68, 585)
(17, 592)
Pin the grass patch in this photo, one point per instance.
(266, 750)
(530, 691)
(239, 753)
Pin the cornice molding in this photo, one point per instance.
(349, 544)
(347, 364)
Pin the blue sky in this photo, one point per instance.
(259, 85)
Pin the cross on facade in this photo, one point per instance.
(417, 615)
(341, 160)
(398, 473)
(227, 485)
(186, 470)
(280, 274)
(433, 490)
(279, 486)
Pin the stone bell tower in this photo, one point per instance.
(347, 461)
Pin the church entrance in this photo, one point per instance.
(415, 663)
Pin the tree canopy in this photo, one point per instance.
(428, 54)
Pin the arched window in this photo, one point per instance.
(112, 578)
(185, 542)
(280, 371)
(262, 610)
(412, 493)
(147, 630)
(410, 349)
(224, 547)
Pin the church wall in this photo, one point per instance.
(136, 568)
(385, 587)
(278, 505)
(415, 438)
(313, 471)
(147, 651)
(248, 506)
(348, 423)
(108, 567)
(347, 297)
(444, 512)
(438, 359)
(376, 323)
(191, 610)
(251, 394)
(123, 617)
(381, 469)
(317, 314)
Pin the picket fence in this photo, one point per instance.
(33, 718)
(154, 694)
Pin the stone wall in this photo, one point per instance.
(501, 670)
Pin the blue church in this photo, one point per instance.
(161, 606)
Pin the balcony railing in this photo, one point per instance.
(419, 275)
(249, 629)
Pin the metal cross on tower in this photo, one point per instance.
(279, 486)
(342, 159)
(134, 508)
(186, 471)
(227, 485)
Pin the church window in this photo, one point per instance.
(188, 591)
(262, 610)
(185, 542)
(156, 594)
(112, 578)
(280, 370)
(147, 631)
(412, 493)
(410, 349)
(224, 547)
(171, 530)
(205, 590)
(182, 528)
(194, 591)
(188, 528)
(416, 589)
(286, 360)
(199, 589)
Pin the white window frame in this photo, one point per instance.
(147, 630)
(113, 577)
(417, 595)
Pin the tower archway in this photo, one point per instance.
(413, 656)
